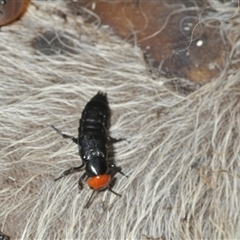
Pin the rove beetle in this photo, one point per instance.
(92, 141)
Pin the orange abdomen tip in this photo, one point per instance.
(11, 10)
(99, 182)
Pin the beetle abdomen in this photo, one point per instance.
(95, 116)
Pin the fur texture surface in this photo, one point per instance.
(182, 153)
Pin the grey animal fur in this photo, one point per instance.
(182, 157)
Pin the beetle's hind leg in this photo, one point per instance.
(117, 194)
(75, 140)
(69, 171)
(112, 140)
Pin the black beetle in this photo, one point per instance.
(93, 140)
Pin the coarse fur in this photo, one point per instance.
(182, 153)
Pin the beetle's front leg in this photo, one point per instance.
(116, 169)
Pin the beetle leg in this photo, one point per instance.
(117, 169)
(112, 140)
(119, 195)
(80, 186)
(75, 140)
(69, 171)
(89, 202)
